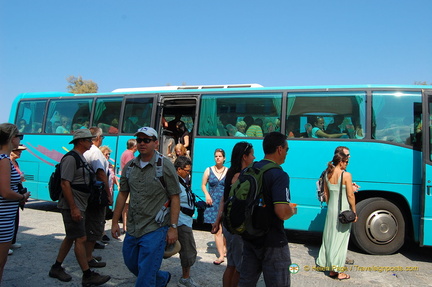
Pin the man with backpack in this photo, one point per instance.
(147, 232)
(269, 254)
(75, 181)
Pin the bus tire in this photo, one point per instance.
(380, 227)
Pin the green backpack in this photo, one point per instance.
(244, 211)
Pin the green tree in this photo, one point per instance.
(79, 86)
(424, 83)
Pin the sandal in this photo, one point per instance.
(218, 262)
(345, 276)
(334, 275)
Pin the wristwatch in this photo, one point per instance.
(173, 225)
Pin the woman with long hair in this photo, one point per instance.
(10, 138)
(214, 176)
(334, 247)
(242, 156)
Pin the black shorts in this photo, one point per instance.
(73, 229)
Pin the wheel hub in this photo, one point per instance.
(381, 226)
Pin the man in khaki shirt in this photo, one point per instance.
(145, 240)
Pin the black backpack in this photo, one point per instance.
(244, 211)
(54, 184)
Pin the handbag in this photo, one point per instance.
(346, 216)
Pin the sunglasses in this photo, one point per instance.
(145, 140)
(186, 170)
(248, 146)
(20, 137)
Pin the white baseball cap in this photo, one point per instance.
(147, 131)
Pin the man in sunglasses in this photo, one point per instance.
(145, 240)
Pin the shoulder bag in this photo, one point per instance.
(346, 216)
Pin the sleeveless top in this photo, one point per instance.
(9, 208)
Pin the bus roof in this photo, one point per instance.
(197, 87)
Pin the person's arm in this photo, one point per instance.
(186, 141)
(283, 210)
(67, 194)
(350, 192)
(5, 177)
(172, 234)
(322, 134)
(120, 203)
(326, 190)
(209, 200)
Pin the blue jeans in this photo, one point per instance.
(143, 257)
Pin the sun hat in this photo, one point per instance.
(81, 134)
(21, 147)
(172, 249)
(147, 131)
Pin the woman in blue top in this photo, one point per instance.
(318, 130)
(9, 197)
(214, 176)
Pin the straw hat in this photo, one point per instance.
(172, 249)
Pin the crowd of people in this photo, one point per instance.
(161, 188)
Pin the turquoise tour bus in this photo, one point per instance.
(382, 125)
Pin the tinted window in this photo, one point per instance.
(138, 113)
(66, 115)
(30, 116)
(326, 115)
(252, 115)
(396, 117)
(107, 114)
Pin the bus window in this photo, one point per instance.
(336, 114)
(252, 114)
(107, 114)
(396, 117)
(137, 113)
(30, 116)
(66, 115)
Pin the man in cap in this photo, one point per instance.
(73, 203)
(146, 238)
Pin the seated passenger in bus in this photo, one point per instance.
(233, 132)
(22, 126)
(255, 130)
(337, 125)
(241, 129)
(36, 128)
(81, 124)
(317, 130)
(64, 127)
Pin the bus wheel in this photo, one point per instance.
(380, 227)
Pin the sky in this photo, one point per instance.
(127, 44)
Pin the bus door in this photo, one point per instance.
(171, 110)
(426, 198)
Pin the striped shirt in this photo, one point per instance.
(8, 208)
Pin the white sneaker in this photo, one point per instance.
(10, 252)
(16, 245)
(189, 282)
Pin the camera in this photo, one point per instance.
(22, 189)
